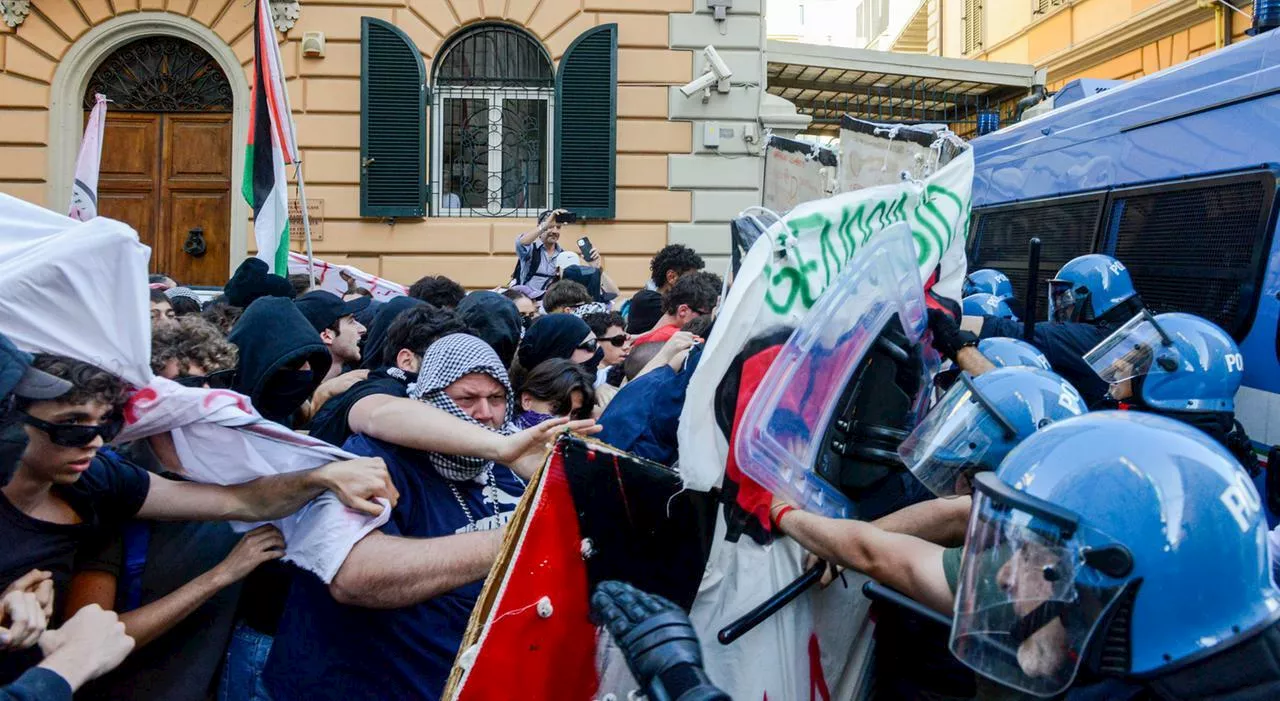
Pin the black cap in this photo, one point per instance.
(18, 377)
(252, 280)
(323, 308)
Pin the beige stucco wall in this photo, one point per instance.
(325, 95)
(1091, 38)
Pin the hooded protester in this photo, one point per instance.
(375, 338)
(253, 280)
(388, 622)
(557, 387)
(496, 320)
(282, 359)
(556, 336)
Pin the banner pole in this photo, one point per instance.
(306, 222)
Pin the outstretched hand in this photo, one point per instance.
(524, 452)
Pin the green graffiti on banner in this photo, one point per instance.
(794, 279)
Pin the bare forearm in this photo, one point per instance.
(277, 496)
(530, 236)
(607, 285)
(834, 540)
(412, 424)
(940, 521)
(385, 572)
(973, 362)
(146, 623)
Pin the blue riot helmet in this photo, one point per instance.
(983, 304)
(1089, 287)
(1173, 362)
(1012, 352)
(1127, 542)
(986, 280)
(979, 420)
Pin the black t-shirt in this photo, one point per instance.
(109, 493)
(332, 424)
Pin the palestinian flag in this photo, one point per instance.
(271, 145)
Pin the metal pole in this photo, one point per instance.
(1033, 275)
(306, 222)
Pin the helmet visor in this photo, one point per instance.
(1063, 301)
(1128, 352)
(1026, 603)
(954, 440)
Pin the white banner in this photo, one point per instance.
(815, 647)
(84, 190)
(339, 279)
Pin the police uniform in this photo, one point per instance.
(1064, 345)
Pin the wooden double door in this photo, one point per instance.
(168, 175)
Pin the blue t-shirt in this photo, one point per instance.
(327, 650)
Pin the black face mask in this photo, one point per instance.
(13, 443)
(284, 393)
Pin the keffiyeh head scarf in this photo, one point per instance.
(445, 362)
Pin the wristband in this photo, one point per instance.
(777, 518)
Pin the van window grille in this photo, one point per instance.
(1196, 248)
(1000, 237)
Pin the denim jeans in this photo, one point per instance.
(242, 670)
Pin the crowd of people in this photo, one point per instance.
(1053, 546)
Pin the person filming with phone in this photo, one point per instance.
(538, 249)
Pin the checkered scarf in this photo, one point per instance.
(445, 361)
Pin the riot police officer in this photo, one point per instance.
(983, 304)
(1089, 298)
(1012, 352)
(1119, 545)
(988, 281)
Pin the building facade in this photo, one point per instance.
(431, 131)
(1069, 39)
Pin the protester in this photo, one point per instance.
(282, 358)
(524, 304)
(371, 350)
(300, 282)
(608, 328)
(184, 300)
(496, 320)
(691, 296)
(438, 290)
(161, 309)
(536, 254)
(670, 264)
(564, 296)
(409, 336)
(556, 336)
(390, 623)
(334, 320)
(194, 353)
(557, 387)
(97, 492)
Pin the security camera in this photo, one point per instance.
(718, 66)
(702, 82)
(716, 75)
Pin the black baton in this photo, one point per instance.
(1033, 275)
(878, 592)
(757, 615)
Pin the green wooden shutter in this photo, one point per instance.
(393, 125)
(586, 124)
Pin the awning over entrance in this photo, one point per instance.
(826, 82)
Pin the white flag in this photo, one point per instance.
(84, 191)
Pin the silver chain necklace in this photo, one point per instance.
(488, 495)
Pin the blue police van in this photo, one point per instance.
(1175, 175)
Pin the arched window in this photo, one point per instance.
(492, 106)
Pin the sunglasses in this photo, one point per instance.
(75, 435)
(221, 379)
(618, 341)
(589, 345)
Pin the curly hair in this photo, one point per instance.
(701, 291)
(89, 383)
(222, 315)
(192, 340)
(438, 290)
(674, 258)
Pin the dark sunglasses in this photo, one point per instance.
(590, 346)
(75, 435)
(221, 379)
(618, 341)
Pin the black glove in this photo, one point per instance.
(948, 337)
(659, 642)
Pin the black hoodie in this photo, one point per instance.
(375, 339)
(496, 320)
(274, 338)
